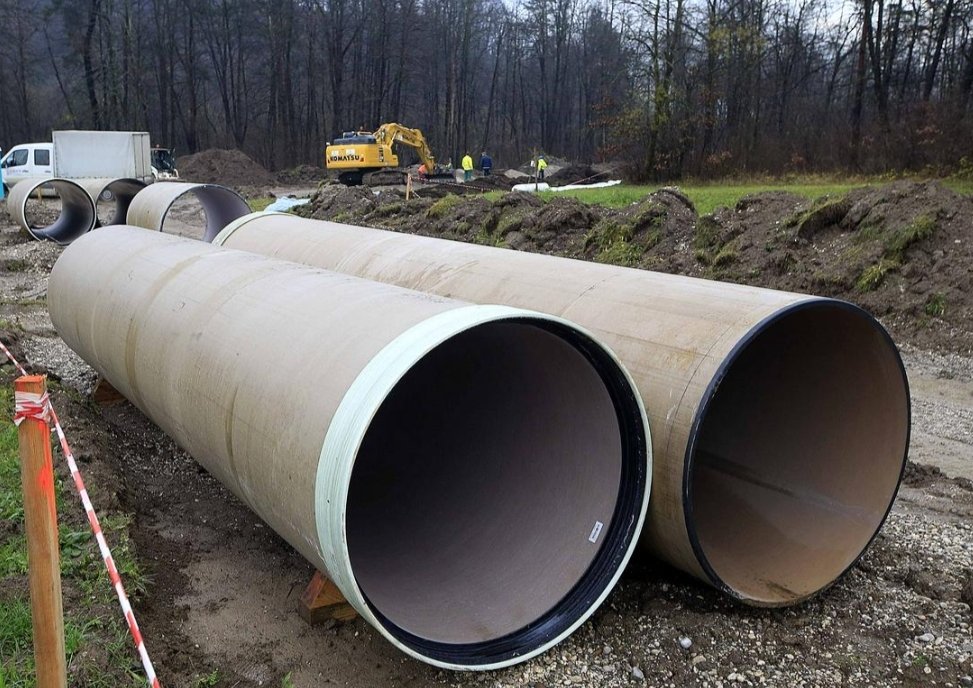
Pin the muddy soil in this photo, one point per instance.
(902, 250)
(228, 167)
(223, 587)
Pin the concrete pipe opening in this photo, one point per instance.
(75, 213)
(797, 452)
(497, 492)
(194, 211)
(112, 197)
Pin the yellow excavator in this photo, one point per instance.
(367, 157)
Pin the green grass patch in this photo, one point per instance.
(725, 256)
(873, 276)
(899, 242)
(444, 205)
(93, 625)
(10, 326)
(509, 221)
(895, 244)
(16, 265)
(935, 305)
(705, 197)
(708, 196)
(824, 211)
(962, 186)
(210, 679)
(620, 252)
(259, 204)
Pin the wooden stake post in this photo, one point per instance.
(40, 516)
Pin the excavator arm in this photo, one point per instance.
(392, 132)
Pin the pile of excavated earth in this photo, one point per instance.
(903, 250)
(224, 166)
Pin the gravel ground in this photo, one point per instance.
(223, 586)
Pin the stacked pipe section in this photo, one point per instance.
(473, 478)
(76, 215)
(118, 192)
(221, 206)
(780, 421)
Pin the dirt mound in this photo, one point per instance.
(339, 202)
(571, 173)
(495, 182)
(902, 251)
(302, 174)
(654, 233)
(228, 167)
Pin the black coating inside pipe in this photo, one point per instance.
(77, 215)
(497, 492)
(798, 451)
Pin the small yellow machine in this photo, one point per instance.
(368, 157)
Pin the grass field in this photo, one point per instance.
(709, 197)
(92, 627)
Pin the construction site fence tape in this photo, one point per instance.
(106, 554)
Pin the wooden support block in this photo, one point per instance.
(106, 395)
(322, 600)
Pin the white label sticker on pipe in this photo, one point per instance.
(596, 531)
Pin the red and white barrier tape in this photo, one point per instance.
(30, 405)
(31, 409)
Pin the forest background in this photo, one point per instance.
(671, 88)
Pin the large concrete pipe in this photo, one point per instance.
(76, 216)
(151, 206)
(472, 478)
(119, 192)
(780, 421)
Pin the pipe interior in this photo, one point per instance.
(480, 483)
(113, 200)
(799, 453)
(220, 206)
(76, 215)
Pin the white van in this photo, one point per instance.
(27, 161)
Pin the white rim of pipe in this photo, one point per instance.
(240, 221)
(221, 206)
(347, 431)
(78, 212)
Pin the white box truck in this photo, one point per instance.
(80, 154)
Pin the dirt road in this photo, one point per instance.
(223, 587)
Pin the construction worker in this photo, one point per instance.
(467, 168)
(541, 166)
(423, 172)
(486, 164)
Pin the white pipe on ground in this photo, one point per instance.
(780, 421)
(150, 207)
(473, 478)
(120, 192)
(77, 214)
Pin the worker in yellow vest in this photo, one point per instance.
(467, 167)
(541, 166)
